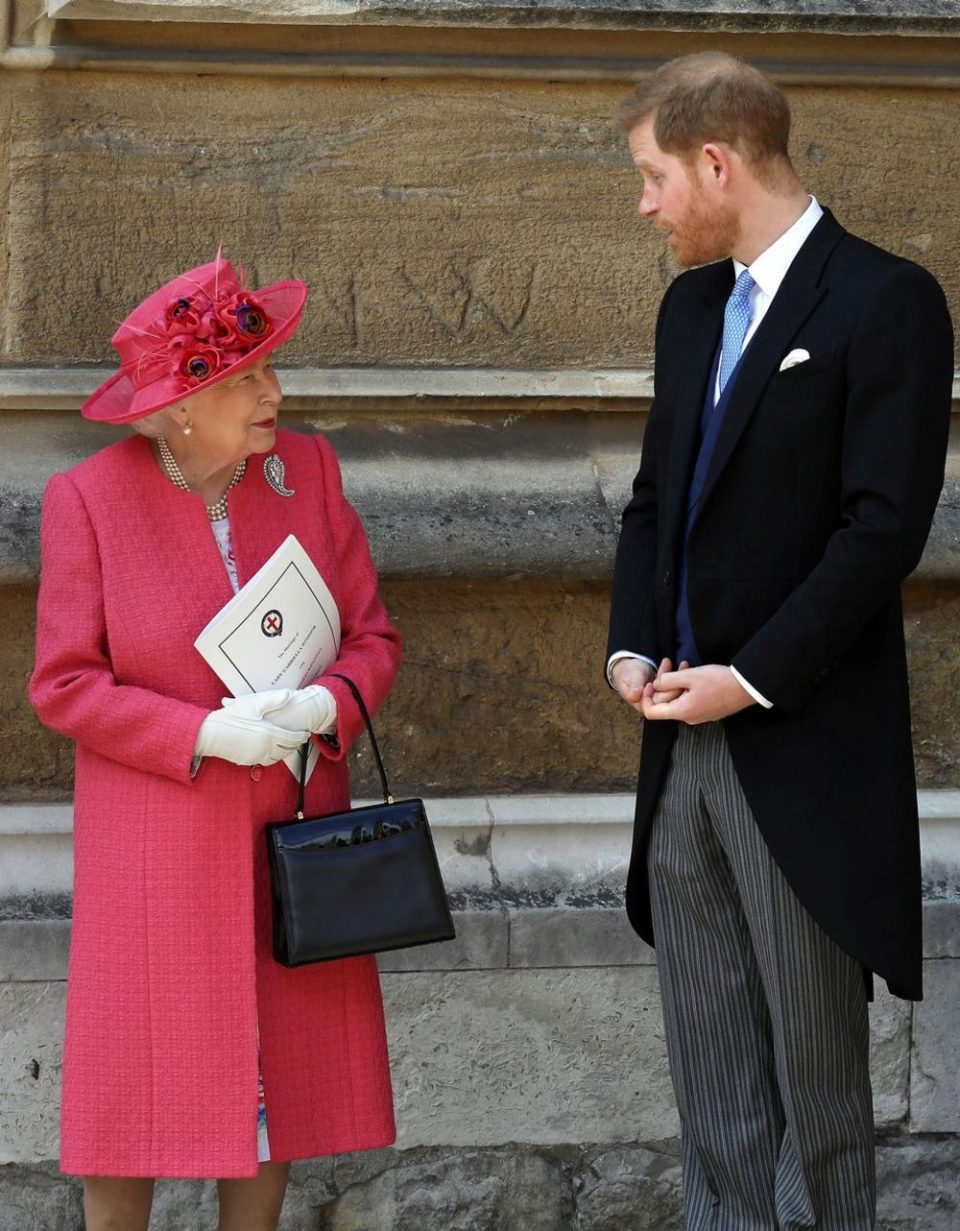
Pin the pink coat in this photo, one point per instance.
(170, 964)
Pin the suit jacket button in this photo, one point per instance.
(256, 772)
(668, 578)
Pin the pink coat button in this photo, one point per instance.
(256, 772)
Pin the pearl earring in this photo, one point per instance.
(187, 428)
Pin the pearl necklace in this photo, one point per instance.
(215, 512)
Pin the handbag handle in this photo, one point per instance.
(305, 750)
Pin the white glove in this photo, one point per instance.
(258, 704)
(246, 741)
(312, 708)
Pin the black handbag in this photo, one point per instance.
(355, 882)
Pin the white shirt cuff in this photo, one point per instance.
(615, 658)
(757, 696)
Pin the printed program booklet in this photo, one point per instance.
(280, 630)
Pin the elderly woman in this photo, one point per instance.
(189, 1051)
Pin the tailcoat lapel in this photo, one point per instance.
(699, 349)
(799, 293)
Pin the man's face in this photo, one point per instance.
(684, 200)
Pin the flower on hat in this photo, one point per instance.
(243, 314)
(195, 364)
(182, 316)
(200, 335)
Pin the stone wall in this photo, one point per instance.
(478, 345)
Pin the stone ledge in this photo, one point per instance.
(509, 852)
(882, 16)
(546, 938)
(66, 388)
(483, 496)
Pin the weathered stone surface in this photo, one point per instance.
(483, 701)
(481, 496)
(918, 1185)
(935, 1061)
(574, 1188)
(629, 1187)
(537, 1056)
(481, 944)
(931, 620)
(571, 938)
(890, 1025)
(39, 1198)
(462, 1191)
(33, 950)
(509, 210)
(31, 1029)
(854, 15)
(941, 928)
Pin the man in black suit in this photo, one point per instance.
(789, 474)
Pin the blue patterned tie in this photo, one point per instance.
(736, 322)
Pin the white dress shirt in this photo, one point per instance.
(768, 272)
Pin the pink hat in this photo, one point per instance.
(190, 334)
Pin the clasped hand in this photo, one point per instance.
(262, 728)
(689, 694)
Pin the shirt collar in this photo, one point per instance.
(770, 267)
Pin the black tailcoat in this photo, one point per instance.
(817, 504)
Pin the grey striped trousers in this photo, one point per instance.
(765, 1017)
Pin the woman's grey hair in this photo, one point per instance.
(160, 423)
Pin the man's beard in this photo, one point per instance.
(704, 233)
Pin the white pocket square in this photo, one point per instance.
(795, 357)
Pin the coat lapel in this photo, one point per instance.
(799, 293)
(700, 349)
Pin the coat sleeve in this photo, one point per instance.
(899, 381)
(370, 647)
(633, 622)
(73, 687)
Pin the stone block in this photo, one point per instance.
(890, 1022)
(851, 16)
(481, 944)
(918, 1185)
(475, 706)
(557, 937)
(930, 619)
(538, 1056)
(465, 1190)
(941, 927)
(478, 176)
(935, 1059)
(39, 1198)
(629, 1187)
(33, 950)
(31, 1030)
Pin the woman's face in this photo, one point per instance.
(235, 418)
